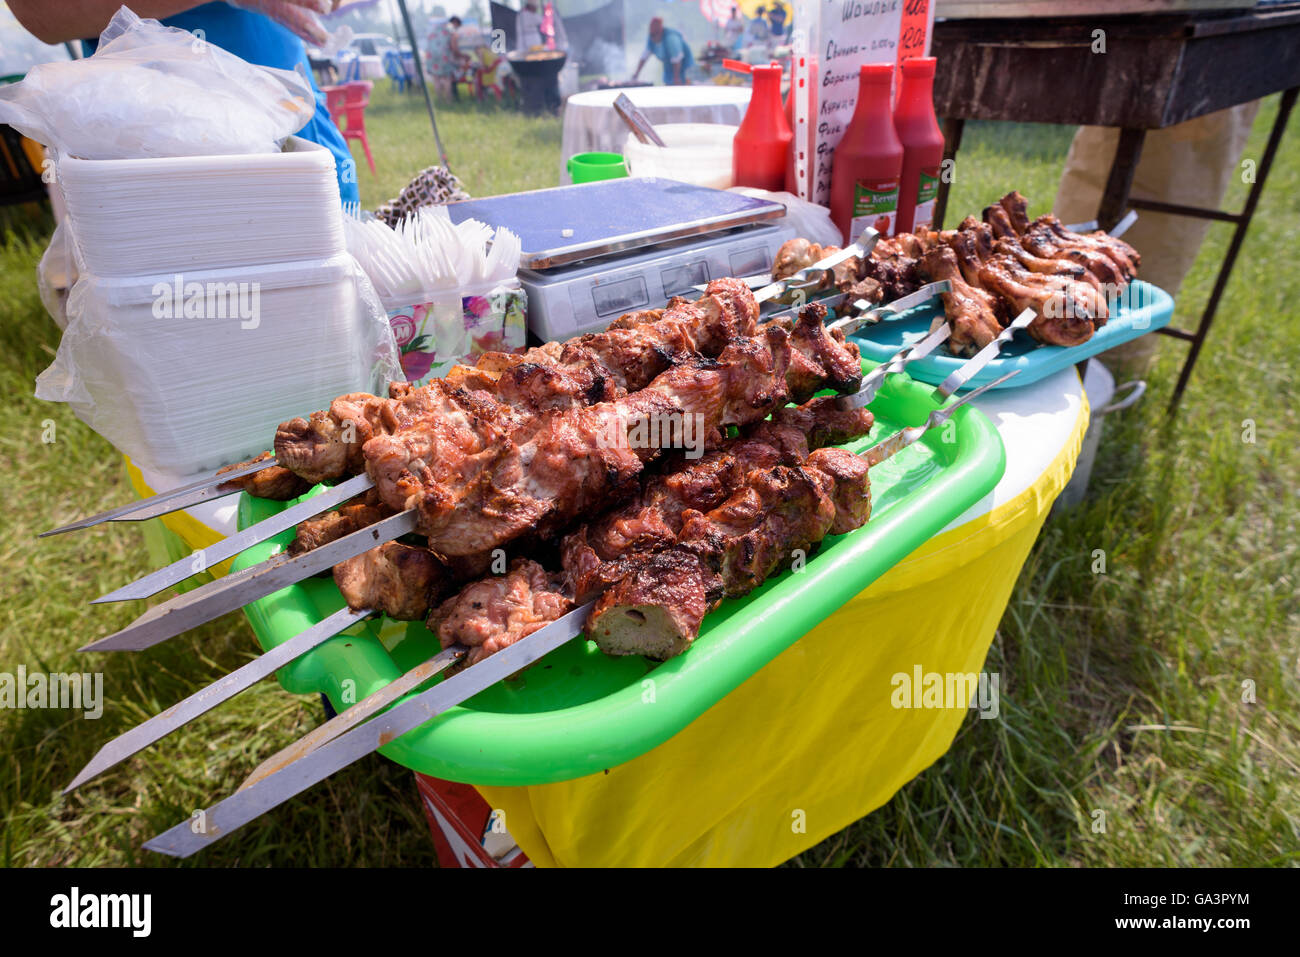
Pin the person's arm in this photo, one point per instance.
(80, 19)
(637, 72)
(677, 72)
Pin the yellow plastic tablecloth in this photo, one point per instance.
(812, 738)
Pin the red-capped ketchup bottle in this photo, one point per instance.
(762, 144)
(918, 130)
(869, 159)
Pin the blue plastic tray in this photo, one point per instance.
(1142, 308)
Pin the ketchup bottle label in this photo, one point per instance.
(926, 193)
(875, 204)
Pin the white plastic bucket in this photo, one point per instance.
(1100, 386)
(696, 153)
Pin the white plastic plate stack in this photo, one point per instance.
(140, 217)
(217, 299)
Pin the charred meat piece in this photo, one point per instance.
(275, 482)
(1017, 210)
(758, 529)
(398, 580)
(796, 254)
(493, 613)
(1063, 268)
(1124, 256)
(595, 555)
(331, 526)
(847, 484)
(820, 420)
(328, 443)
(1064, 308)
(657, 610)
(1042, 240)
(657, 607)
(996, 216)
(970, 310)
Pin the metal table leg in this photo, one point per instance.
(1238, 236)
(952, 128)
(1115, 198)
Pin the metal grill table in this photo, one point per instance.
(1158, 70)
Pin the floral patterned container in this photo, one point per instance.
(435, 335)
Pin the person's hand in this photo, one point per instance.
(298, 16)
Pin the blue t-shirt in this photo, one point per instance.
(669, 47)
(259, 39)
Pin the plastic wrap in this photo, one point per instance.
(152, 90)
(186, 373)
(56, 273)
(808, 220)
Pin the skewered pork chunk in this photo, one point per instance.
(969, 309)
(328, 443)
(589, 369)
(658, 607)
(276, 482)
(494, 613)
(398, 580)
(331, 526)
(594, 555)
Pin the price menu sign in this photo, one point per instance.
(832, 40)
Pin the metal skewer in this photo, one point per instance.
(810, 277)
(968, 369)
(352, 745)
(204, 558)
(204, 700)
(216, 598)
(161, 504)
(349, 737)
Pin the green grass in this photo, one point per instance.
(1198, 527)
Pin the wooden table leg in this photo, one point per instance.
(1238, 237)
(952, 127)
(1113, 201)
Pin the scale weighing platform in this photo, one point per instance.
(592, 252)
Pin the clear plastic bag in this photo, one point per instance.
(186, 373)
(808, 220)
(152, 90)
(56, 273)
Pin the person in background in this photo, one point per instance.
(1190, 164)
(265, 32)
(760, 31)
(671, 49)
(528, 27)
(446, 61)
(777, 17)
(733, 31)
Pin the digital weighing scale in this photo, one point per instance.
(594, 251)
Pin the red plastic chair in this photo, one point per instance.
(348, 103)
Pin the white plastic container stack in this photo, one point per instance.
(143, 216)
(217, 299)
